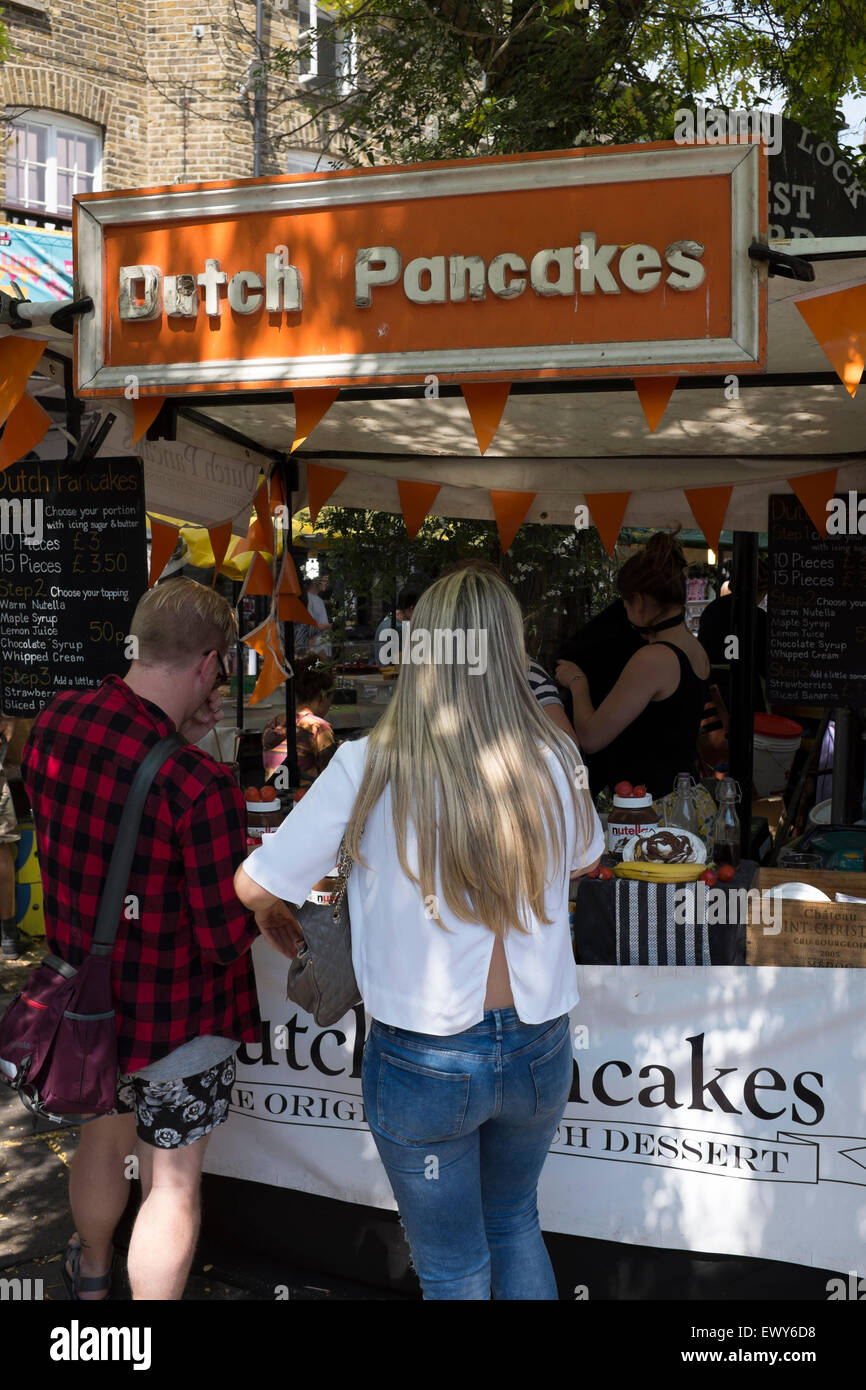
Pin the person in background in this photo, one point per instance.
(316, 745)
(406, 600)
(601, 649)
(10, 937)
(465, 815)
(717, 626)
(309, 639)
(319, 590)
(662, 690)
(547, 695)
(182, 978)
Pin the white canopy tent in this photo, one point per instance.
(559, 440)
(591, 437)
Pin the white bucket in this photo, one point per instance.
(821, 814)
(772, 763)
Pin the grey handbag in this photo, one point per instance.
(321, 977)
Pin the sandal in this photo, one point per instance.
(76, 1282)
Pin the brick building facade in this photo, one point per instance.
(159, 91)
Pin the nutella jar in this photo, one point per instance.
(631, 816)
(264, 814)
(322, 893)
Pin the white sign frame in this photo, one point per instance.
(741, 162)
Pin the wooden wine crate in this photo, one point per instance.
(829, 934)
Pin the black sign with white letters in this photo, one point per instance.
(814, 190)
(816, 604)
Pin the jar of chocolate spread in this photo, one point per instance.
(631, 817)
(263, 818)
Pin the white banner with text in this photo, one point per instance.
(712, 1109)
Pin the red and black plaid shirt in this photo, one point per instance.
(182, 969)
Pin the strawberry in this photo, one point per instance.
(623, 789)
(726, 872)
(709, 877)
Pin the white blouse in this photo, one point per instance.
(411, 972)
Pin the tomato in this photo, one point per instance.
(640, 790)
(268, 793)
(623, 789)
(251, 794)
(605, 873)
(709, 877)
(726, 872)
(594, 873)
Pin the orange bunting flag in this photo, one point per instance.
(510, 510)
(144, 412)
(271, 676)
(265, 639)
(291, 610)
(837, 320)
(485, 401)
(257, 637)
(259, 581)
(278, 492)
(18, 357)
(163, 539)
(26, 426)
(708, 506)
(219, 539)
(654, 392)
(311, 405)
(813, 492)
(261, 504)
(416, 499)
(607, 510)
(255, 539)
(321, 483)
(288, 584)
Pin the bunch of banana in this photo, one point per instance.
(660, 873)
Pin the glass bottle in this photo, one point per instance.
(726, 830)
(684, 813)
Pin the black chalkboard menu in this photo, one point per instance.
(817, 604)
(73, 565)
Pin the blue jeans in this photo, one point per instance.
(463, 1125)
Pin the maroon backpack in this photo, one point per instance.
(58, 1038)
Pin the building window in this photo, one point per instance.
(48, 161)
(332, 59)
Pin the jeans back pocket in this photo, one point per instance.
(419, 1105)
(551, 1076)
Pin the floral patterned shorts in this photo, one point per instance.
(171, 1114)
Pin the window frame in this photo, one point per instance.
(346, 51)
(54, 123)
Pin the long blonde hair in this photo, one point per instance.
(463, 754)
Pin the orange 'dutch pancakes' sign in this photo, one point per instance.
(629, 260)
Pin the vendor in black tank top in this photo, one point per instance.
(661, 692)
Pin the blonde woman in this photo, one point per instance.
(465, 814)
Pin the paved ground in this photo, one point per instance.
(35, 1222)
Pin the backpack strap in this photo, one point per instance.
(117, 878)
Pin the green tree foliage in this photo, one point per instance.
(560, 576)
(444, 79)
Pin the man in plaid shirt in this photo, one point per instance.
(184, 988)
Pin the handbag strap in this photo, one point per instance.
(344, 868)
(117, 878)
